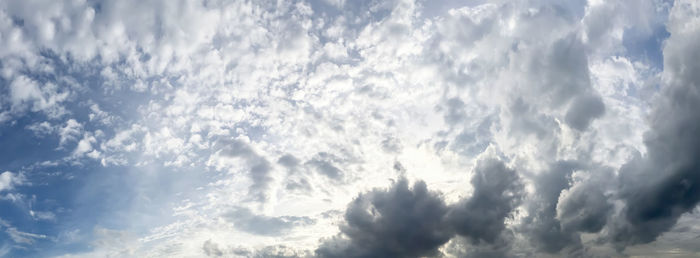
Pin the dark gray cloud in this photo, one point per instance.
(455, 111)
(294, 181)
(289, 161)
(583, 110)
(665, 183)
(245, 220)
(397, 222)
(584, 207)
(566, 66)
(300, 184)
(415, 222)
(526, 120)
(327, 168)
(324, 164)
(560, 78)
(565, 205)
(391, 145)
(466, 248)
(260, 168)
(541, 225)
(497, 192)
(211, 249)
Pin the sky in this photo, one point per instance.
(338, 128)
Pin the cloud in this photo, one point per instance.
(659, 187)
(326, 168)
(85, 147)
(415, 222)
(295, 181)
(259, 171)
(396, 222)
(70, 132)
(41, 129)
(327, 164)
(27, 94)
(583, 110)
(320, 98)
(274, 251)
(497, 192)
(243, 219)
(541, 225)
(9, 180)
(43, 215)
(20, 237)
(211, 249)
(289, 161)
(584, 207)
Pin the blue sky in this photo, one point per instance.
(334, 128)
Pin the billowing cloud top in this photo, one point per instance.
(332, 128)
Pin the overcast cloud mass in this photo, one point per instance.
(338, 128)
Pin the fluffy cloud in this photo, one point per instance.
(9, 180)
(415, 222)
(497, 192)
(398, 222)
(541, 224)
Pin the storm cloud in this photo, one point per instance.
(497, 192)
(663, 184)
(541, 225)
(397, 222)
(415, 222)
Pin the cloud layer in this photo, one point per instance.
(334, 128)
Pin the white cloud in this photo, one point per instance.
(69, 132)
(85, 147)
(43, 215)
(24, 91)
(9, 180)
(41, 129)
(28, 94)
(20, 237)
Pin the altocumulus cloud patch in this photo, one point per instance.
(324, 128)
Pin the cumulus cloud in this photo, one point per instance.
(541, 225)
(69, 132)
(660, 186)
(9, 180)
(583, 208)
(497, 192)
(396, 222)
(415, 222)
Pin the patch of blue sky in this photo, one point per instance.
(644, 43)
(90, 196)
(646, 47)
(73, 197)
